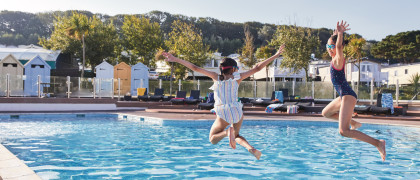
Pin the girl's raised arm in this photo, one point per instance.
(261, 65)
(171, 58)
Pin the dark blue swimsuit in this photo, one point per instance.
(339, 81)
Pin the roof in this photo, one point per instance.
(37, 57)
(28, 52)
(140, 65)
(50, 63)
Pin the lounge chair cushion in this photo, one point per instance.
(387, 101)
(279, 95)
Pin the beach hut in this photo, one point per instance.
(122, 71)
(139, 78)
(10, 65)
(32, 69)
(104, 75)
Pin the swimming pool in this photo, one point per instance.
(100, 146)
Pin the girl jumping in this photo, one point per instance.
(227, 107)
(342, 107)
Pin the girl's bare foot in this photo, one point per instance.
(255, 152)
(231, 135)
(356, 125)
(381, 149)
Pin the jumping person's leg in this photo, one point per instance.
(331, 111)
(243, 142)
(346, 111)
(217, 131)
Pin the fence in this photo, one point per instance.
(76, 87)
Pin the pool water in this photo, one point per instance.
(100, 146)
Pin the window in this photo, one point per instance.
(7, 64)
(395, 73)
(406, 71)
(215, 63)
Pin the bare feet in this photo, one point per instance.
(381, 149)
(231, 135)
(356, 125)
(255, 152)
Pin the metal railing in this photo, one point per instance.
(76, 87)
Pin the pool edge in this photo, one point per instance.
(12, 167)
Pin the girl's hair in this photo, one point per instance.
(226, 67)
(334, 39)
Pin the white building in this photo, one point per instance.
(369, 70)
(275, 71)
(402, 72)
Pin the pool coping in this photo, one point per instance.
(12, 167)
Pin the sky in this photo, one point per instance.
(373, 19)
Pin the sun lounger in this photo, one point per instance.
(158, 96)
(384, 105)
(142, 94)
(363, 109)
(209, 104)
(194, 97)
(284, 106)
(180, 97)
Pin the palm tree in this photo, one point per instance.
(355, 50)
(415, 81)
(78, 29)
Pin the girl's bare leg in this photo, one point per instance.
(217, 131)
(243, 142)
(346, 111)
(331, 111)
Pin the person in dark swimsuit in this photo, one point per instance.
(342, 107)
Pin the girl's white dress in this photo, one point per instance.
(226, 104)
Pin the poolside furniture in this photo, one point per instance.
(209, 104)
(266, 102)
(244, 100)
(384, 105)
(180, 97)
(362, 109)
(194, 97)
(284, 106)
(142, 94)
(301, 105)
(157, 96)
(313, 109)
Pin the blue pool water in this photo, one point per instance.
(99, 146)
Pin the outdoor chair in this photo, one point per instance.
(194, 97)
(157, 96)
(180, 97)
(209, 104)
(142, 94)
(384, 105)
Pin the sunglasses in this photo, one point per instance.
(332, 46)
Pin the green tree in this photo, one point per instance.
(247, 56)
(142, 38)
(79, 28)
(186, 42)
(263, 53)
(300, 44)
(101, 41)
(404, 46)
(354, 50)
